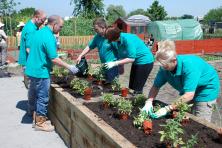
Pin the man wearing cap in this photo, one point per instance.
(3, 45)
(19, 33)
(29, 29)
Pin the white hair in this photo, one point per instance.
(166, 51)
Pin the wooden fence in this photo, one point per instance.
(66, 41)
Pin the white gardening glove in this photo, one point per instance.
(163, 111)
(148, 107)
(110, 65)
(73, 69)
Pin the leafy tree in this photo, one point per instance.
(114, 12)
(156, 11)
(187, 16)
(88, 8)
(213, 15)
(137, 11)
(7, 7)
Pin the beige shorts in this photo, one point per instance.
(203, 109)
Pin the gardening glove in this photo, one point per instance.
(163, 111)
(148, 108)
(73, 69)
(110, 65)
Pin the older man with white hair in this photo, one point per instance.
(194, 78)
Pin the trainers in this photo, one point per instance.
(41, 124)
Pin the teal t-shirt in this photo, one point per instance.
(27, 32)
(42, 51)
(131, 46)
(106, 53)
(193, 74)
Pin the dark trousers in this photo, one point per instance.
(139, 75)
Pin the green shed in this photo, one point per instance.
(183, 29)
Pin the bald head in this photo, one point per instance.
(56, 23)
(39, 17)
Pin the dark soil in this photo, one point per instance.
(206, 137)
(64, 82)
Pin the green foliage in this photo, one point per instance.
(138, 121)
(139, 100)
(7, 7)
(156, 107)
(88, 8)
(172, 133)
(60, 71)
(187, 16)
(137, 11)
(183, 108)
(79, 85)
(116, 86)
(124, 106)
(99, 73)
(156, 11)
(107, 97)
(114, 12)
(77, 26)
(191, 142)
(213, 15)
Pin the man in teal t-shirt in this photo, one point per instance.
(194, 78)
(131, 49)
(43, 52)
(106, 53)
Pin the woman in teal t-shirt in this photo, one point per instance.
(131, 49)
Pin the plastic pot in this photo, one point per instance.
(123, 116)
(147, 127)
(124, 92)
(87, 94)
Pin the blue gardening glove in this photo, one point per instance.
(163, 111)
(110, 65)
(148, 108)
(73, 69)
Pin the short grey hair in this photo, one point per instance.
(166, 51)
(54, 19)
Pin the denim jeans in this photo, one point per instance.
(39, 94)
(111, 74)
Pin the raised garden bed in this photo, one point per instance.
(91, 126)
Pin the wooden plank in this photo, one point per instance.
(62, 116)
(60, 129)
(203, 121)
(99, 126)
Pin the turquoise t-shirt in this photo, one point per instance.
(106, 52)
(27, 32)
(131, 46)
(193, 74)
(42, 51)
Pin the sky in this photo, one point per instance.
(172, 7)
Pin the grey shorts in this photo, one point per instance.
(203, 109)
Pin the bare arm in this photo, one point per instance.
(84, 52)
(153, 93)
(61, 63)
(125, 61)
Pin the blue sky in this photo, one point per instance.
(173, 7)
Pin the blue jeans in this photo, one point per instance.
(111, 74)
(39, 90)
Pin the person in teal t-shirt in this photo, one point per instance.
(195, 79)
(106, 53)
(43, 52)
(131, 49)
(28, 30)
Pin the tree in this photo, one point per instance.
(88, 8)
(213, 15)
(7, 7)
(187, 16)
(156, 12)
(114, 12)
(137, 11)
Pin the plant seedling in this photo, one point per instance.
(109, 99)
(124, 106)
(138, 121)
(139, 100)
(116, 86)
